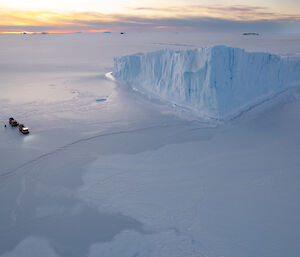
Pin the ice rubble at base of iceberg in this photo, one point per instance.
(217, 82)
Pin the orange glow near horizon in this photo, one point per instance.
(13, 21)
(57, 31)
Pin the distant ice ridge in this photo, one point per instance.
(217, 82)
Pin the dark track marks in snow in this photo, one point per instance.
(12, 172)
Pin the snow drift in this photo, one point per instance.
(217, 82)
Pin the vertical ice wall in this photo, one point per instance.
(218, 82)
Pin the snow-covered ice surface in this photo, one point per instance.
(217, 82)
(132, 176)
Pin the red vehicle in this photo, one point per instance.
(13, 122)
(23, 129)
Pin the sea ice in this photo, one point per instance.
(126, 177)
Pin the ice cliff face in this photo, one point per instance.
(217, 82)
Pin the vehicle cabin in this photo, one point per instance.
(23, 129)
(13, 122)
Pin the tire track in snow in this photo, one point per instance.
(12, 172)
(19, 199)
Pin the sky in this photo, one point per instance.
(127, 15)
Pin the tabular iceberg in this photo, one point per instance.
(217, 82)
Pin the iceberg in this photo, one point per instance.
(217, 82)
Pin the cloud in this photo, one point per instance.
(234, 12)
(193, 17)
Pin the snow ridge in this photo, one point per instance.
(217, 82)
